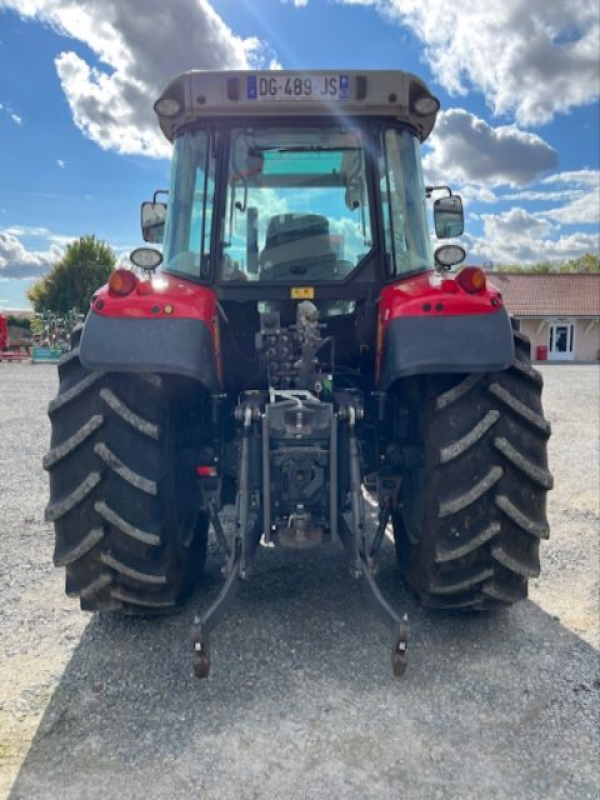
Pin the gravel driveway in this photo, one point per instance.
(301, 702)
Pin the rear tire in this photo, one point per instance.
(128, 529)
(472, 517)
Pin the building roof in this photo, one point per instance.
(549, 294)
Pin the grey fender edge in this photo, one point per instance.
(444, 344)
(171, 346)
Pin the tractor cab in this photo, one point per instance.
(288, 188)
(281, 181)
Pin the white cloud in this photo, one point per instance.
(60, 163)
(141, 45)
(16, 261)
(8, 109)
(540, 195)
(477, 194)
(578, 193)
(26, 230)
(531, 58)
(583, 210)
(464, 148)
(516, 223)
(115, 114)
(517, 236)
(580, 177)
(297, 3)
(61, 240)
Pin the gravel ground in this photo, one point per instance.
(301, 702)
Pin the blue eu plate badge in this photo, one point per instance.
(252, 88)
(344, 87)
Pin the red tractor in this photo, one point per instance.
(299, 346)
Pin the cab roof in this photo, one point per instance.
(197, 95)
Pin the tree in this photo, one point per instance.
(587, 263)
(72, 281)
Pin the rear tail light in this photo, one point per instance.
(122, 282)
(206, 472)
(472, 279)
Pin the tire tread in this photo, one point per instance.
(485, 481)
(115, 532)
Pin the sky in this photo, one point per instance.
(518, 134)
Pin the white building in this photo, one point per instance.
(560, 312)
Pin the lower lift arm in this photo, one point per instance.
(362, 555)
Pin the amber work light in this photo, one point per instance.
(472, 279)
(122, 282)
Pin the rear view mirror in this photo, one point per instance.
(448, 217)
(153, 222)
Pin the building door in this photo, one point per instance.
(562, 335)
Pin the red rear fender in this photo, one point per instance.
(430, 324)
(166, 324)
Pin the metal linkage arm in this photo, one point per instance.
(242, 503)
(244, 545)
(204, 625)
(397, 623)
(361, 555)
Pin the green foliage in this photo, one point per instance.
(19, 322)
(70, 284)
(588, 263)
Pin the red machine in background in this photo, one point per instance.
(11, 351)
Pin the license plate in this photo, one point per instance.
(289, 89)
